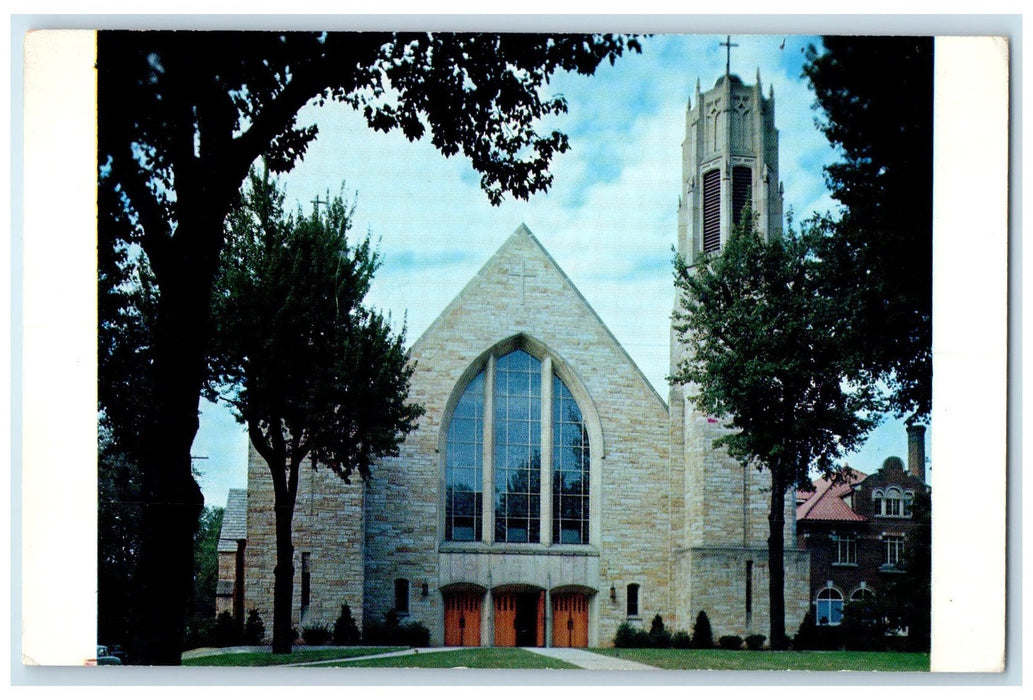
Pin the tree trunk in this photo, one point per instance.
(776, 564)
(172, 499)
(283, 579)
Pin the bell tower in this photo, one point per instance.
(729, 160)
(720, 560)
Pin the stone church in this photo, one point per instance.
(549, 494)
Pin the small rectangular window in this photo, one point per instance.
(632, 600)
(306, 582)
(402, 596)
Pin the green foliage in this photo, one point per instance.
(907, 601)
(305, 364)
(874, 97)
(765, 352)
(628, 637)
(659, 637)
(730, 642)
(317, 635)
(227, 631)
(254, 628)
(346, 632)
(768, 351)
(755, 642)
(681, 640)
(311, 370)
(702, 634)
(391, 633)
(813, 637)
(206, 564)
(182, 117)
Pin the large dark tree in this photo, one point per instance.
(182, 117)
(312, 371)
(765, 353)
(874, 96)
(127, 301)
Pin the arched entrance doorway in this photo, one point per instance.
(463, 616)
(569, 618)
(519, 617)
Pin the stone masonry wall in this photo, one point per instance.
(328, 526)
(520, 292)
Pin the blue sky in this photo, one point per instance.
(609, 219)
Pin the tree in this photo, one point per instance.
(908, 598)
(206, 565)
(182, 117)
(126, 302)
(765, 352)
(875, 100)
(312, 372)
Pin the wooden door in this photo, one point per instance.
(569, 620)
(462, 619)
(505, 619)
(520, 619)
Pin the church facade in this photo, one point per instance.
(549, 494)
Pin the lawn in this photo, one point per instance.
(300, 655)
(723, 660)
(462, 658)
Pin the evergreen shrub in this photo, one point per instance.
(681, 640)
(702, 634)
(254, 628)
(755, 642)
(317, 635)
(659, 637)
(346, 632)
(227, 632)
(730, 641)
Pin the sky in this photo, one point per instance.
(609, 219)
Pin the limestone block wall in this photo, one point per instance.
(328, 528)
(719, 586)
(521, 299)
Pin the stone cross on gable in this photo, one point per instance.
(728, 53)
(524, 275)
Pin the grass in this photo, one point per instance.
(300, 655)
(465, 658)
(723, 660)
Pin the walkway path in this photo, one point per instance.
(577, 657)
(591, 660)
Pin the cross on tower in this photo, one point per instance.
(728, 53)
(316, 202)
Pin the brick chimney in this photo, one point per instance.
(916, 451)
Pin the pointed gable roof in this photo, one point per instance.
(524, 248)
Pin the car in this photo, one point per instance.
(104, 658)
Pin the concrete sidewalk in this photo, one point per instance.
(589, 660)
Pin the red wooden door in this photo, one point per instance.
(462, 620)
(569, 620)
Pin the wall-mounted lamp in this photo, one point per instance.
(424, 589)
(613, 593)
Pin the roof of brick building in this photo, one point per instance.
(827, 500)
(234, 520)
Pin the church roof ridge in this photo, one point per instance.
(523, 231)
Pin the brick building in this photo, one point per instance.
(549, 494)
(857, 530)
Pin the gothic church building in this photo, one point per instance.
(549, 494)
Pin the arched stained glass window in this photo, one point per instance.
(522, 462)
(518, 448)
(570, 468)
(463, 466)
